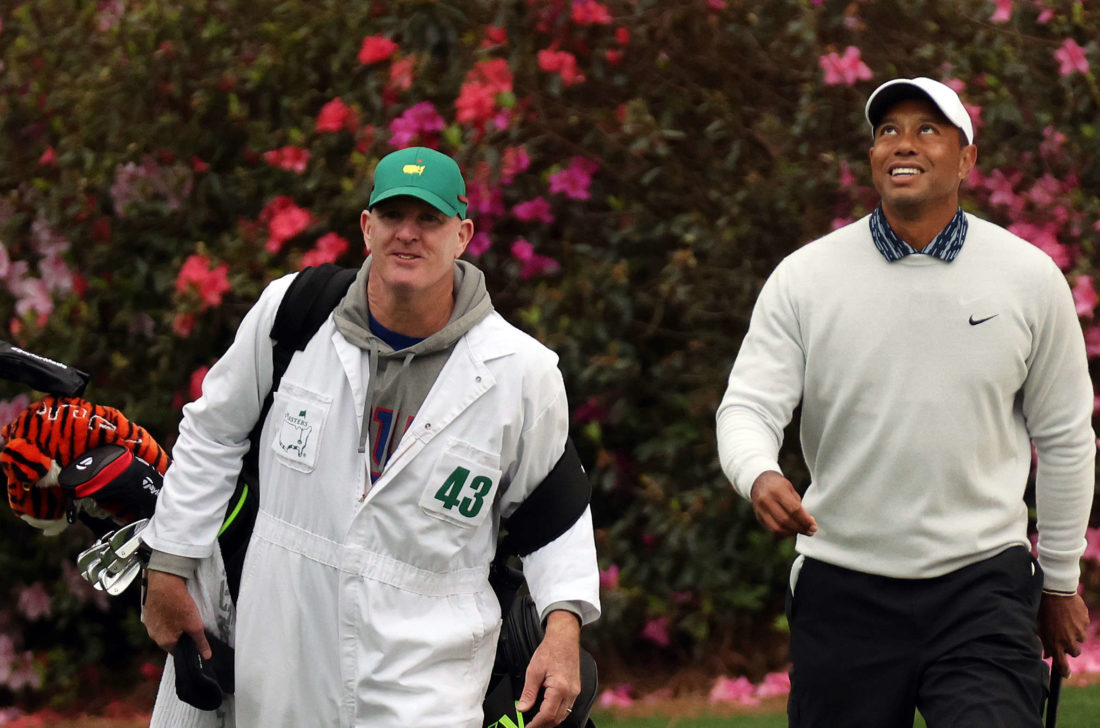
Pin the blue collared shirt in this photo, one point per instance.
(945, 246)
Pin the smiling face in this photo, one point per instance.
(414, 247)
(918, 160)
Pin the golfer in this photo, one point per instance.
(930, 349)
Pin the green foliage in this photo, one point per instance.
(718, 147)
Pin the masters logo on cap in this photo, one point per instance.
(422, 173)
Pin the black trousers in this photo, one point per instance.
(867, 650)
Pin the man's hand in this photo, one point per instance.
(170, 611)
(778, 506)
(1062, 624)
(556, 665)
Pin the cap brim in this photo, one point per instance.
(890, 95)
(419, 193)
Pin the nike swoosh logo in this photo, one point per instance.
(975, 322)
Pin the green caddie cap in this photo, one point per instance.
(422, 173)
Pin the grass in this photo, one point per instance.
(1079, 708)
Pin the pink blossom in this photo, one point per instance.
(1045, 13)
(46, 239)
(328, 249)
(739, 691)
(402, 73)
(656, 631)
(10, 408)
(336, 116)
(536, 209)
(1003, 13)
(5, 262)
(533, 264)
(480, 243)
(34, 602)
(293, 159)
(484, 199)
(1045, 238)
(1084, 295)
(844, 70)
(475, 104)
(1053, 141)
(56, 275)
(195, 383)
(592, 410)
(151, 181)
(48, 158)
(590, 12)
(573, 182)
(774, 684)
(1092, 341)
(198, 275)
(563, 63)
(284, 220)
(376, 48)
(81, 589)
(32, 296)
(717, 4)
(1092, 548)
(1071, 57)
(1046, 190)
(151, 671)
(619, 697)
(416, 122)
(609, 577)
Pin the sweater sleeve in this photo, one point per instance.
(765, 385)
(1057, 406)
(213, 437)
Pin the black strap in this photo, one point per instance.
(551, 508)
(308, 301)
(40, 373)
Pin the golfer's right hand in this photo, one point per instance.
(778, 506)
(170, 611)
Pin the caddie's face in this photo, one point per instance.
(414, 245)
(918, 159)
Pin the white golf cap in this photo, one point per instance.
(945, 99)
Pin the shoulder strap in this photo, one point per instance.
(311, 297)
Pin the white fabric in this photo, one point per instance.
(373, 610)
(915, 423)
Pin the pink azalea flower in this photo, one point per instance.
(656, 631)
(34, 602)
(514, 161)
(1084, 295)
(1051, 146)
(774, 684)
(717, 4)
(590, 12)
(480, 243)
(1071, 57)
(533, 264)
(1092, 342)
(402, 74)
(56, 275)
(197, 378)
(536, 209)
(573, 182)
(619, 697)
(32, 296)
(199, 275)
(284, 220)
(476, 104)
(1045, 14)
(561, 62)
(1092, 548)
(844, 70)
(609, 577)
(336, 116)
(1045, 238)
(48, 158)
(328, 249)
(10, 408)
(414, 123)
(376, 48)
(1003, 13)
(739, 691)
(293, 159)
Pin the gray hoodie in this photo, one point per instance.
(399, 381)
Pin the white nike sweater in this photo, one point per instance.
(921, 383)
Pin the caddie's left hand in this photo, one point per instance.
(1063, 621)
(556, 665)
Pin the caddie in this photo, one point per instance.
(929, 349)
(412, 422)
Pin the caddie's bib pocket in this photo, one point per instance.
(463, 485)
(299, 424)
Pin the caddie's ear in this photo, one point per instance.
(364, 225)
(465, 235)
